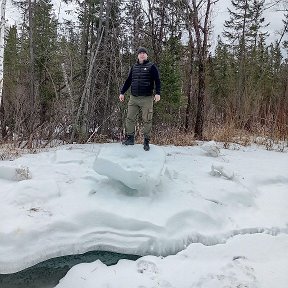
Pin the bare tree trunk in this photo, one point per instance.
(68, 86)
(157, 26)
(99, 30)
(284, 31)
(2, 30)
(242, 57)
(85, 40)
(85, 121)
(190, 85)
(106, 107)
(86, 87)
(200, 106)
(201, 44)
(32, 60)
(136, 28)
(194, 9)
(152, 24)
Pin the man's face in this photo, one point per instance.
(142, 57)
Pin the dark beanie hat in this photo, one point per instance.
(142, 49)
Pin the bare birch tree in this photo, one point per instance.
(2, 32)
(201, 23)
(32, 56)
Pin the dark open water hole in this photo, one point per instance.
(47, 274)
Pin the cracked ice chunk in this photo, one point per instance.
(134, 167)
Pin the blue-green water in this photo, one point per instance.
(48, 273)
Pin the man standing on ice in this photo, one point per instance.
(142, 77)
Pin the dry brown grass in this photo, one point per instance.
(226, 134)
(175, 138)
(12, 150)
(262, 136)
(8, 152)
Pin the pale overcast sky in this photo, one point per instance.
(272, 16)
(220, 14)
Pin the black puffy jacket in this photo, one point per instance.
(141, 79)
(142, 83)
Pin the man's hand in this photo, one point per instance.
(157, 98)
(121, 97)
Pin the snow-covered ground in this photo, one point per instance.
(223, 211)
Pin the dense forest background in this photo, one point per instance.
(62, 80)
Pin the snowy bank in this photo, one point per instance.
(243, 261)
(69, 208)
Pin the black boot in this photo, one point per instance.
(129, 140)
(146, 146)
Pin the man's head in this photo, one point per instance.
(142, 54)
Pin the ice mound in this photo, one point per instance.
(132, 166)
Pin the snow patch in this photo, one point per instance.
(15, 173)
(66, 157)
(211, 149)
(68, 208)
(221, 171)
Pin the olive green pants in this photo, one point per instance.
(143, 104)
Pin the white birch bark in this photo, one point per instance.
(2, 30)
